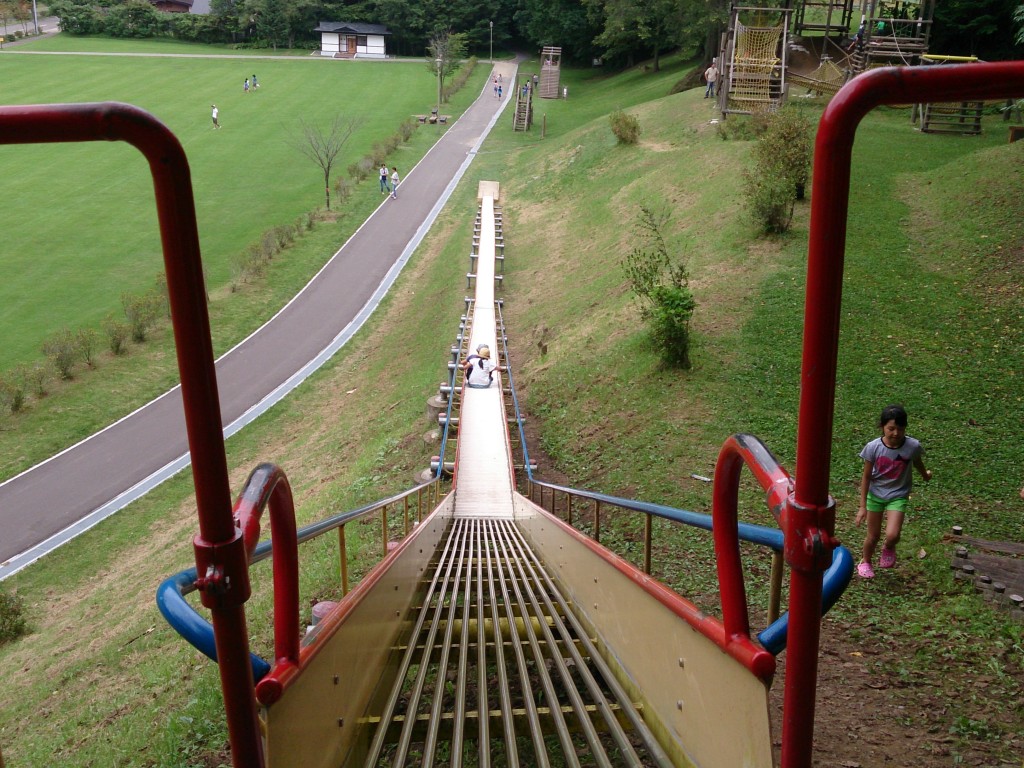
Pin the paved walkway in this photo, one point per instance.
(54, 501)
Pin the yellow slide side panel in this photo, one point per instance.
(316, 722)
(705, 708)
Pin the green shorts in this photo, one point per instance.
(875, 504)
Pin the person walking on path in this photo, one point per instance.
(495, 81)
(394, 182)
(885, 486)
(711, 75)
(214, 115)
(384, 188)
(499, 90)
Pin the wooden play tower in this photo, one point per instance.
(892, 33)
(550, 68)
(822, 17)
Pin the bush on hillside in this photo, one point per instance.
(625, 127)
(661, 285)
(61, 349)
(37, 379)
(770, 199)
(117, 335)
(141, 313)
(788, 145)
(12, 616)
(86, 340)
(782, 161)
(12, 391)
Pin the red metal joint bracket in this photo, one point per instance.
(809, 535)
(224, 572)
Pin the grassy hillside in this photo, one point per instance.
(913, 666)
(80, 220)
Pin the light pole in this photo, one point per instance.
(492, 41)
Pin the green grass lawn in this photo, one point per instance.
(931, 317)
(79, 220)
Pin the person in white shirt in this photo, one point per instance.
(479, 368)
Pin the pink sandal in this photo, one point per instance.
(865, 571)
(888, 558)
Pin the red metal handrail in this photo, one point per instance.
(268, 486)
(220, 555)
(740, 450)
(808, 516)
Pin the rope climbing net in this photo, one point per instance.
(827, 78)
(755, 57)
(757, 46)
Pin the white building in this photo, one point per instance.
(349, 40)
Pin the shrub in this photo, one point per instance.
(661, 284)
(407, 129)
(782, 159)
(117, 335)
(362, 168)
(625, 127)
(669, 315)
(12, 391)
(787, 145)
(37, 379)
(86, 340)
(61, 349)
(343, 191)
(770, 199)
(12, 616)
(141, 313)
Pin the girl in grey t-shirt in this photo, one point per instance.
(885, 486)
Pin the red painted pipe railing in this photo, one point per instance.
(266, 487)
(809, 518)
(740, 450)
(220, 555)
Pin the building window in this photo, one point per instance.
(360, 41)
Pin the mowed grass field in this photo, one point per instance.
(79, 223)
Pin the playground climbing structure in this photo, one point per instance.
(755, 61)
(892, 33)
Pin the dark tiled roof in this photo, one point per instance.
(352, 28)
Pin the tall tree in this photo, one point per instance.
(982, 28)
(570, 24)
(445, 53)
(271, 19)
(323, 146)
(634, 26)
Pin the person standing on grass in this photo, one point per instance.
(394, 182)
(711, 75)
(384, 188)
(214, 115)
(885, 486)
(255, 83)
(245, 87)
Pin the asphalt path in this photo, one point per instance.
(54, 501)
